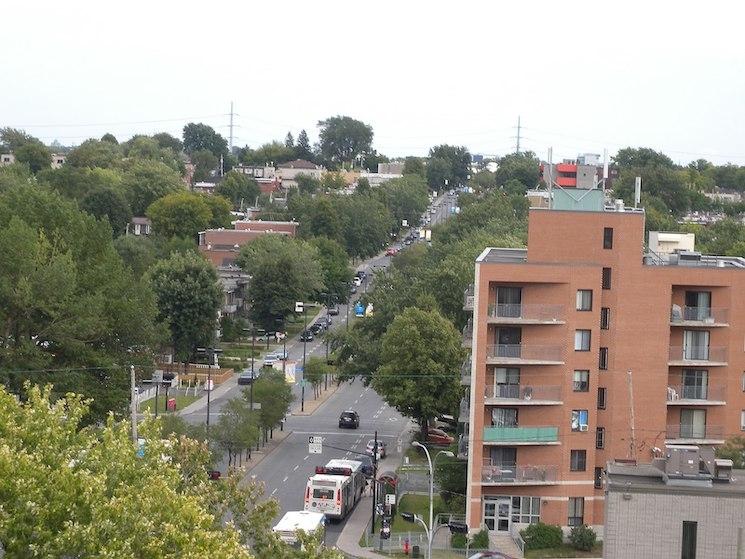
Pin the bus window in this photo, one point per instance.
(323, 493)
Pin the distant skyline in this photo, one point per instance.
(582, 76)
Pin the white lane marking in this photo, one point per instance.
(284, 480)
(274, 491)
(306, 457)
(357, 401)
(296, 467)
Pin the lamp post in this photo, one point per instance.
(303, 307)
(211, 352)
(431, 531)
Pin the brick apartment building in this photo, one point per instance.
(571, 335)
(221, 246)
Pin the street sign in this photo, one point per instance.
(315, 445)
(404, 223)
(298, 306)
(390, 499)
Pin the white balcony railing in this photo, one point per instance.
(527, 311)
(707, 392)
(513, 473)
(698, 353)
(525, 351)
(524, 392)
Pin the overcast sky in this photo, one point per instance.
(582, 75)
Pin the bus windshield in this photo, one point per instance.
(323, 493)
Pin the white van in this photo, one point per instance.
(307, 521)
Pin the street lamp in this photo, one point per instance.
(431, 532)
(210, 352)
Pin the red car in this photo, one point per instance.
(439, 437)
(391, 252)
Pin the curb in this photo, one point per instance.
(255, 463)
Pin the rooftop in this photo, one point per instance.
(647, 478)
(298, 164)
(504, 256)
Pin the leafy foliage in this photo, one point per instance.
(94, 153)
(111, 204)
(275, 396)
(240, 189)
(583, 538)
(342, 139)
(733, 449)
(199, 136)
(146, 181)
(181, 214)
(451, 163)
(542, 536)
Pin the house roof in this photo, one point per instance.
(299, 164)
(141, 221)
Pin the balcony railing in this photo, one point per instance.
(527, 312)
(708, 392)
(464, 410)
(468, 298)
(521, 434)
(512, 473)
(525, 352)
(468, 333)
(698, 353)
(695, 432)
(524, 392)
(705, 315)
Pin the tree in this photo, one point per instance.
(77, 183)
(413, 166)
(419, 372)
(69, 308)
(111, 204)
(321, 218)
(145, 148)
(137, 252)
(372, 159)
(237, 429)
(198, 137)
(94, 153)
(109, 137)
(522, 167)
(205, 162)
(268, 154)
(315, 371)
(283, 270)
(451, 477)
(438, 171)
(188, 297)
(275, 396)
(333, 181)
(406, 198)
(34, 154)
(733, 449)
(484, 179)
(181, 214)
(240, 189)
(337, 275)
(220, 211)
(12, 139)
(366, 224)
(303, 149)
(342, 139)
(146, 181)
(307, 184)
(642, 157)
(363, 186)
(166, 141)
(458, 161)
(289, 141)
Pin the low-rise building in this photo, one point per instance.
(686, 504)
(289, 171)
(7, 159)
(58, 159)
(139, 226)
(221, 246)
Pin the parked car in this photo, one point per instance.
(391, 251)
(280, 354)
(360, 274)
(371, 445)
(438, 437)
(247, 377)
(333, 311)
(353, 289)
(490, 555)
(349, 418)
(317, 327)
(270, 359)
(306, 336)
(356, 280)
(367, 464)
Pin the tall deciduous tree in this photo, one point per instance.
(337, 275)
(182, 214)
(34, 154)
(94, 153)
(419, 371)
(523, 167)
(146, 181)
(275, 396)
(198, 136)
(343, 138)
(188, 297)
(367, 225)
(406, 198)
(205, 162)
(457, 162)
(111, 204)
(240, 189)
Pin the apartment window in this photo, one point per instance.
(608, 237)
(576, 511)
(695, 385)
(581, 381)
(742, 420)
(504, 417)
(696, 345)
(692, 424)
(598, 478)
(579, 420)
(606, 278)
(603, 359)
(509, 301)
(578, 461)
(600, 437)
(688, 547)
(584, 299)
(529, 509)
(697, 305)
(602, 393)
(582, 340)
(604, 318)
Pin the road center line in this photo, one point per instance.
(296, 467)
(284, 480)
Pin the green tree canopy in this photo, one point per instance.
(522, 167)
(419, 371)
(204, 163)
(198, 136)
(240, 189)
(337, 275)
(146, 181)
(94, 153)
(181, 214)
(275, 396)
(166, 141)
(220, 207)
(111, 204)
(307, 184)
(342, 139)
(303, 149)
(79, 182)
(406, 198)
(457, 165)
(413, 166)
(34, 154)
(137, 252)
(366, 224)
(188, 297)
(271, 153)
(13, 139)
(642, 157)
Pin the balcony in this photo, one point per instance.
(699, 317)
(523, 395)
(468, 298)
(512, 474)
(525, 314)
(701, 356)
(524, 354)
(468, 333)
(519, 436)
(465, 372)
(695, 395)
(695, 434)
(464, 410)
(566, 181)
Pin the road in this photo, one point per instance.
(285, 471)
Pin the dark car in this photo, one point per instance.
(367, 464)
(349, 418)
(317, 327)
(353, 289)
(333, 311)
(306, 336)
(360, 274)
(247, 377)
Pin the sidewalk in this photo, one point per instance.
(312, 404)
(349, 540)
(258, 455)
(201, 404)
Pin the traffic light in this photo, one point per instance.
(408, 516)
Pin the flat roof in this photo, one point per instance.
(646, 478)
(504, 255)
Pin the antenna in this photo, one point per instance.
(550, 178)
(517, 147)
(637, 191)
(605, 165)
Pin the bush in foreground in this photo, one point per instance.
(583, 538)
(542, 536)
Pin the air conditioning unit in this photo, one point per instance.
(583, 427)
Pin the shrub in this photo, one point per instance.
(542, 536)
(582, 538)
(480, 540)
(458, 541)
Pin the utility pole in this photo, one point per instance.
(374, 482)
(305, 337)
(210, 352)
(231, 127)
(517, 148)
(133, 403)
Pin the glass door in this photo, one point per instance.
(693, 424)
(698, 305)
(507, 383)
(503, 514)
(508, 342)
(504, 417)
(696, 345)
(695, 384)
(509, 301)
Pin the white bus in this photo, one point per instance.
(307, 521)
(335, 488)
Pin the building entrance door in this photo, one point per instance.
(503, 514)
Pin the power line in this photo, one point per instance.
(123, 123)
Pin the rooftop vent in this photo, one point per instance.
(722, 470)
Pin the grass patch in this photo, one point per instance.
(415, 455)
(565, 550)
(418, 504)
(182, 401)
